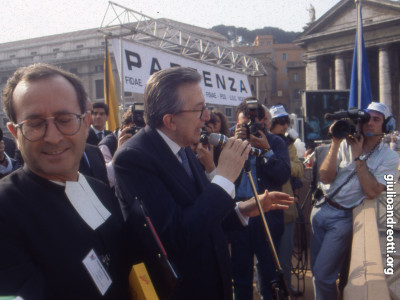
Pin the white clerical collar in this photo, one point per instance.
(85, 202)
(171, 144)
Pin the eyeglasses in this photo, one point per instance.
(282, 120)
(34, 129)
(202, 110)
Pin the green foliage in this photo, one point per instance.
(244, 36)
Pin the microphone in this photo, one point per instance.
(216, 139)
(371, 134)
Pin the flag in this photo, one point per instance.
(360, 87)
(110, 95)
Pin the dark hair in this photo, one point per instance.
(161, 95)
(127, 117)
(243, 108)
(37, 72)
(213, 119)
(277, 120)
(224, 123)
(101, 105)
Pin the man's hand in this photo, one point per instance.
(268, 200)
(356, 145)
(335, 141)
(232, 158)
(206, 156)
(241, 131)
(260, 142)
(123, 136)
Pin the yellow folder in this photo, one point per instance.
(140, 284)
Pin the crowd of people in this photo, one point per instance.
(76, 199)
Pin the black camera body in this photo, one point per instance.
(137, 110)
(252, 127)
(348, 122)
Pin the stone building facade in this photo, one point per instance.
(329, 43)
(80, 52)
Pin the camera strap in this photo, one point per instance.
(351, 175)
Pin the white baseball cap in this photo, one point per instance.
(278, 111)
(379, 107)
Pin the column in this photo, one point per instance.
(311, 74)
(385, 88)
(340, 77)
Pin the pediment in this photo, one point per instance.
(343, 17)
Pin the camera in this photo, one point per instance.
(348, 122)
(251, 111)
(137, 110)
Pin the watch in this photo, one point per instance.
(360, 157)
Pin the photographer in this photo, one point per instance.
(270, 172)
(132, 121)
(280, 126)
(353, 170)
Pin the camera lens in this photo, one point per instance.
(341, 129)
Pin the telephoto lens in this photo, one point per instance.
(341, 129)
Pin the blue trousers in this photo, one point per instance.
(286, 251)
(247, 243)
(331, 234)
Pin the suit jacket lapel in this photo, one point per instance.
(171, 165)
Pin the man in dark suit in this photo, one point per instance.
(92, 163)
(157, 167)
(99, 117)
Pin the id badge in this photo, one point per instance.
(98, 273)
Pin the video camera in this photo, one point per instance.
(137, 110)
(251, 112)
(348, 122)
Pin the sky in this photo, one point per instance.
(24, 19)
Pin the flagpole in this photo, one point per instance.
(121, 71)
(360, 87)
(359, 53)
(110, 95)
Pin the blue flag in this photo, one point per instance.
(360, 87)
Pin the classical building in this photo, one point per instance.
(328, 44)
(80, 52)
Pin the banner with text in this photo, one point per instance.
(139, 62)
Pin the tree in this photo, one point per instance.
(244, 36)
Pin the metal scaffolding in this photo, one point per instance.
(127, 24)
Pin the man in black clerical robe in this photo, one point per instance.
(60, 232)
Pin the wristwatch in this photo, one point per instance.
(360, 157)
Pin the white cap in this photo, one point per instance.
(379, 107)
(278, 111)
